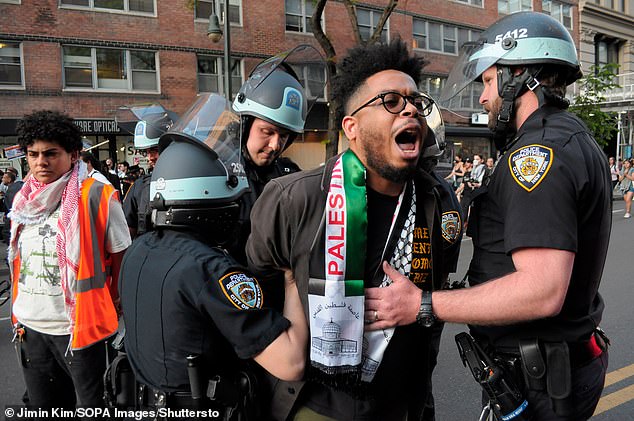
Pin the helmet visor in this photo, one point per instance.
(307, 64)
(155, 115)
(434, 143)
(474, 59)
(212, 124)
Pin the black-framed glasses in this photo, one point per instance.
(395, 102)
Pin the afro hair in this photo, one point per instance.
(364, 61)
(51, 126)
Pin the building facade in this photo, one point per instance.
(90, 57)
(607, 36)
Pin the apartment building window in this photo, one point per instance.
(440, 37)
(313, 78)
(606, 51)
(618, 5)
(469, 97)
(11, 70)
(560, 11)
(367, 21)
(298, 14)
(512, 6)
(471, 2)
(210, 75)
(110, 69)
(143, 6)
(432, 85)
(467, 100)
(205, 7)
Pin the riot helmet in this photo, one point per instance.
(146, 122)
(279, 99)
(199, 177)
(529, 41)
(275, 92)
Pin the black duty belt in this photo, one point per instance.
(148, 396)
(580, 352)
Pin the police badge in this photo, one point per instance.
(241, 290)
(451, 226)
(530, 164)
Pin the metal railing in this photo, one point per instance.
(624, 93)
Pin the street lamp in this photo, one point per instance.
(214, 32)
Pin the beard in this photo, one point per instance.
(377, 160)
(494, 113)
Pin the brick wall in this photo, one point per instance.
(44, 27)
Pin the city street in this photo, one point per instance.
(457, 395)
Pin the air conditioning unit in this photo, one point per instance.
(480, 119)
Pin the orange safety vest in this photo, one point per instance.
(95, 314)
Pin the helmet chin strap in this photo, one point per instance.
(510, 87)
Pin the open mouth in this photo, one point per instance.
(407, 139)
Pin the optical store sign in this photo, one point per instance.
(98, 126)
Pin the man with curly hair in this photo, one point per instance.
(337, 226)
(68, 236)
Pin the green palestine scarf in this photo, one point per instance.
(339, 350)
(336, 302)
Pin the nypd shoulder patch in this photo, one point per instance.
(451, 226)
(530, 164)
(241, 290)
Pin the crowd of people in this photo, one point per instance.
(268, 293)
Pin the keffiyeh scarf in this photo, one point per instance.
(34, 203)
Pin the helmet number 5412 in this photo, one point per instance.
(515, 33)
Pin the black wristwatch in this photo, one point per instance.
(425, 316)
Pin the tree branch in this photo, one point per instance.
(376, 36)
(352, 14)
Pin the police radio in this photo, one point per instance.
(505, 399)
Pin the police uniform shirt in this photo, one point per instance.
(181, 297)
(136, 204)
(551, 189)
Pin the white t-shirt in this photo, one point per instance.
(99, 177)
(40, 301)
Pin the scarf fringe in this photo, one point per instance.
(341, 378)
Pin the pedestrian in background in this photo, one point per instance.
(93, 167)
(627, 186)
(614, 172)
(67, 241)
(457, 172)
(13, 187)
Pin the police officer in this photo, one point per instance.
(541, 229)
(137, 199)
(192, 313)
(269, 126)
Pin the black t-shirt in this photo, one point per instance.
(392, 392)
(551, 189)
(380, 209)
(181, 297)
